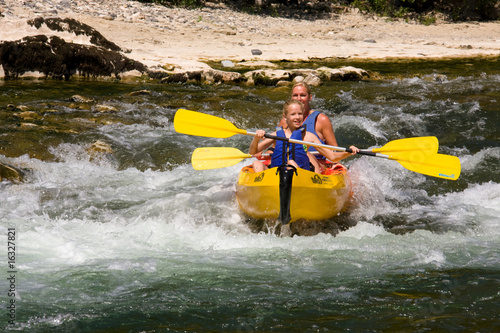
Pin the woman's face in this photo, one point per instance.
(301, 93)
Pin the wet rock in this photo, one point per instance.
(22, 108)
(182, 77)
(140, 92)
(56, 58)
(28, 126)
(99, 151)
(215, 76)
(80, 99)
(311, 228)
(347, 73)
(297, 228)
(313, 80)
(100, 147)
(284, 84)
(27, 115)
(11, 173)
(317, 77)
(304, 72)
(268, 77)
(441, 78)
(209, 76)
(101, 108)
(297, 79)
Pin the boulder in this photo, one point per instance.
(56, 58)
(312, 80)
(346, 73)
(215, 76)
(268, 77)
(208, 76)
(314, 77)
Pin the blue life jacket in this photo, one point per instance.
(310, 125)
(285, 151)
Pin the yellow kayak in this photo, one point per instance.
(313, 196)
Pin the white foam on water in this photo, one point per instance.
(74, 213)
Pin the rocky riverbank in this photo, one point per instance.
(175, 44)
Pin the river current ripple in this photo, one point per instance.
(137, 240)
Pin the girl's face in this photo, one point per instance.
(294, 116)
(300, 93)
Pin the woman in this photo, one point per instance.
(316, 122)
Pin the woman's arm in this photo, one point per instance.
(334, 156)
(324, 128)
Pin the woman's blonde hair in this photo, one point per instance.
(302, 84)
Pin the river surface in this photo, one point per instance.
(137, 241)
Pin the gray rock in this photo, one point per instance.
(227, 63)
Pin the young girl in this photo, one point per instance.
(291, 153)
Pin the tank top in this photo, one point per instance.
(310, 124)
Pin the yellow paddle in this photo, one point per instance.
(417, 154)
(436, 165)
(202, 124)
(216, 157)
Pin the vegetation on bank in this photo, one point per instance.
(424, 11)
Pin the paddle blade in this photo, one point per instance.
(201, 124)
(428, 144)
(216, 157)
(436, 165)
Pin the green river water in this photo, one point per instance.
(135, 240)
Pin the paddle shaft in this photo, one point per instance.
(348, 150)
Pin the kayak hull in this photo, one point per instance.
(314, 196)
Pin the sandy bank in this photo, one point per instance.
(160, 36)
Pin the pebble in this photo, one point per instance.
(227, 63)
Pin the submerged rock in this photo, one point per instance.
(101, 108)
(100, 151)
(10, 173)
(140, 92)
(80, 99)
(27, 115)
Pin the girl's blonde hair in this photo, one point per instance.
(292, 102)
